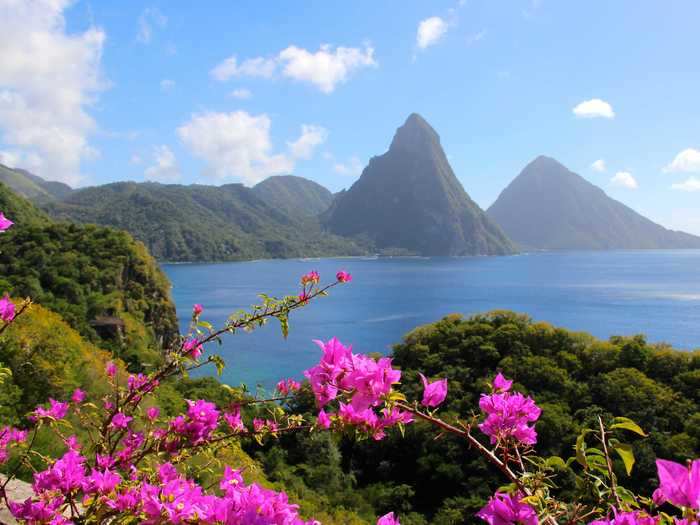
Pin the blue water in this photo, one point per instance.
(606, 293)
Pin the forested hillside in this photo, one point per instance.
(573, 376)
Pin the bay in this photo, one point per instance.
(656, 293)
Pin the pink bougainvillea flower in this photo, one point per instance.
(56, 410)
(197, 310)
(120, 420)
(192, 348)
(679, 484)
(628, 518)
(310, 278)
(152, 413)
(501, 384)
(507, 509)
(323, 420)
(7, 309)
(509, 415)
(111, 369)
(233, 419)
(5, 223)
(433, 393)
(388, 519)
(343, 277)
(78, 396)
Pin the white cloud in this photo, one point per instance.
(311, 137)
(430, 31)
(149, 19)
(689, 184)
(241, 94)
(624, 179)
(352, 168)
(48, 79)
(165, 167)
(594, 108)
(234, 145)
(599, 165)
(325, 68)
(687, 160)
(167, 85)
(252, 67)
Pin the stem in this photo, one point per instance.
(608, 462)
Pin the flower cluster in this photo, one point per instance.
(363, 382)
(7, 309)
(285, 386)
(5, 223)
(8, 436)
(628, 518)
(503, 509)
(678, 484)
(509, 415)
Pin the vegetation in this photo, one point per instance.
(574, 377)
(32, 187)
(295, 196)
(202, 223)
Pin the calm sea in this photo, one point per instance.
(606, 293)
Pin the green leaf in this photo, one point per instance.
(556, 462)
(284, 324)
(627, 424)
(627, 455)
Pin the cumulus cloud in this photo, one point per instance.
(624, 179)
(430, 31)
(167, 85)
(234, 145)
(594, 108)
(164, 168)
(599, 165)
(252, 67)
(326, 68)
(352, 168)
(151, 18)
(687, 160)
(311, 137)
(241, 94)
(48, 79)
(689, 184)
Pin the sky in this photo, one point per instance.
(216, 92)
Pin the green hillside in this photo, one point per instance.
(294, 195)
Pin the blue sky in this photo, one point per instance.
(219, 91)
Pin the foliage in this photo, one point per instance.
(296, 196)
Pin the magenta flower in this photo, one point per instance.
(231, 480)
(678, 484)
(508, 415)
(111, 369)
(233, 419)
(323, 420)
(152, 413)
(192, 348)
(310, 278)
(78, 396)
(628, 518)
(56, 410)
(433, 393)
(102, 482)
(5, 223)
(507, 509)
(343, 277)
(66, 474)
(388, 519)
(9, 435)
(197, 310)
(7, 308)
(501, 384)
(120, 420)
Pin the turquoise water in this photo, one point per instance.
(606, 293)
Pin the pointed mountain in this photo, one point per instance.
(410, 200)
(549, 207)
(294, 195)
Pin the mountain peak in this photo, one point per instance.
(415, 133)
